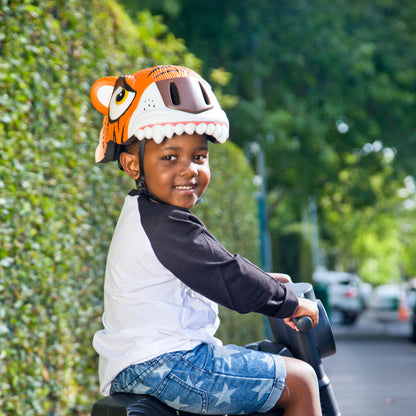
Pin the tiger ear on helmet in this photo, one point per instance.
(101, 92)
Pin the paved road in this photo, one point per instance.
(374, 370)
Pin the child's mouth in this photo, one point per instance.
(185, 187)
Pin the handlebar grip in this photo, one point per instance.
(303, 323)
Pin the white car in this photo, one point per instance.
(347, 295)
(389, 302)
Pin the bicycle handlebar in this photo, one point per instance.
(303, 323)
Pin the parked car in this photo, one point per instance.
(413, 324)
(347, 295)
(389, 302)
(411, 301)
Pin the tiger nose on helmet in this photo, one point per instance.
(184, 94)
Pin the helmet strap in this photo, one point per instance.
(142, 146)
(140, 183)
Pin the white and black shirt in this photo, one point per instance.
(165, 275)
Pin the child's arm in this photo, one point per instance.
(306, 307)
(185, 248)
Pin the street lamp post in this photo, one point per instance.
(265, 241)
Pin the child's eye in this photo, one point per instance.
(200, 157)
(168, 157)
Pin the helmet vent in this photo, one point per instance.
(205, 95)
(174, 94)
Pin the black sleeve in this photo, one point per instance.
(186, 248)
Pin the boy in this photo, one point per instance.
(166, 273)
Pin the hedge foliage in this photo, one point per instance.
(57, 209)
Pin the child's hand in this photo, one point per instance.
(281, 277)
(306, 307)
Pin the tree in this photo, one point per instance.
(317, 82)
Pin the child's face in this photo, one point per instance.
(177, 170)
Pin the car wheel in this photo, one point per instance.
(349, 319)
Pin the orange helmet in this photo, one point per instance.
(155, 103)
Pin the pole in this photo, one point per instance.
(265, 241)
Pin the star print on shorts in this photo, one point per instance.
(209, 379)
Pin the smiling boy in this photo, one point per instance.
(166, 274)
(179, 168)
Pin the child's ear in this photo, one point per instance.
(130, 164)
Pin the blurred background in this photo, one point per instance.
(319, 172)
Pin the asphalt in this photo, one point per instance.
(373, 372)
(372, 324)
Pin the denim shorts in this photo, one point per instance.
(209, 379)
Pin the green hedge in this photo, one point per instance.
(57, 209)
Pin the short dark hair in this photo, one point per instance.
(132, 148)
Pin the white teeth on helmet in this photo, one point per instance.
(221, 133)
(201, 128)
(224, 134)
(169, 131)
(158, 134)
(140, 134)
(190, 128)
(179, 129)
(217, 131)
(210, 129)
(148, 132)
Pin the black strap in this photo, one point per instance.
(141, 184)
(142, 146)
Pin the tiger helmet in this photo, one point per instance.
(155, 103)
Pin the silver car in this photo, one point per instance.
(347, 295)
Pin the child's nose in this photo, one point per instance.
(188, 168)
